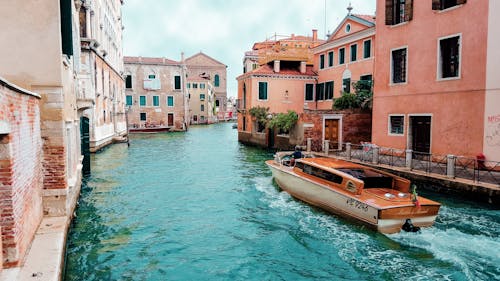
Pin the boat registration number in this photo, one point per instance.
(356, 204)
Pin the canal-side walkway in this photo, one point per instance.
(45, 258)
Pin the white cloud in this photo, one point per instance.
(224, 29)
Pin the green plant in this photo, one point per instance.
(361, 98)
(260, 114)
(284, 122)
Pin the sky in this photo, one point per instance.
(225, 29)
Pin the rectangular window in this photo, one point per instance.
(320, 91)
(309, 95)
(365, 82)
(202, 96)
(195, 86)
(354, 52)
(262, 90)
(177, 82)
(156, 100)
(202, 85)
(449, 57)
(143, 116)
(151, 76)
(396, 124)
(346, 85)
(142, 100)
(329, 90)
(321, 61)
(129, 100)
(445, 4)
(170, 100)
(330, 59)
(66, 24)
(188, 85)
(202, 107)
(128, 82)
(399, 60)
(398, 11)
(342, 56)
(367, 49)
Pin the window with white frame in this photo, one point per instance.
(309, 94)
(156, 100)
(399, 60)
(342, 56)
(170, 101)
(396, 124)
(367, 49)
(262, 90)
(354, 52)
(321, 61)
(449, 57)
(330, 59)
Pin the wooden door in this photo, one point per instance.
(170, 120)
(421, 133)
(332, 131)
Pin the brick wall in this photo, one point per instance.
(21, 178)
(356, 126)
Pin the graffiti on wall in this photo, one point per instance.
(493, 130)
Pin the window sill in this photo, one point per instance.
(448, 9)
(448, 79)
(398, 84)
(399, 24)
(396, 135)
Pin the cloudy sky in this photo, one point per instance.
(225, 29)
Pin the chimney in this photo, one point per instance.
(277, 66)
(302, 67)
(293, 36)
(182, 57)
(315, 35)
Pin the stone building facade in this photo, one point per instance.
(102, 87)
(203, 66)
(156, 96)
(21, 177)
(201, 101)
(47, 65)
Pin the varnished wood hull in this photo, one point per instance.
(383, 219)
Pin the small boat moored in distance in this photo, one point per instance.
(377, 198)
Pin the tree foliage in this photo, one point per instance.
(260, 113)
(284, 122)
(361, 98)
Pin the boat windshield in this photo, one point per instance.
(370, 178)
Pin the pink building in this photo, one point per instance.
(345, 58)
(437, 73)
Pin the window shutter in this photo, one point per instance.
(389, 7)
(409, 10)
(436, 4)
(460, 2)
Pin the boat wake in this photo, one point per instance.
(462, 245)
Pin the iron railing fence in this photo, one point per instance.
(452, 166)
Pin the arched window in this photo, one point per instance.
(216, 80)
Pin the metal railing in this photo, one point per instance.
(451, 166)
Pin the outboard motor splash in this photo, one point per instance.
(409, 227)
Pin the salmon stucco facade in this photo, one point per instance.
(437, 87)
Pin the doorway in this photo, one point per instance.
(170, 120)
(332, 132)
(420, 129)
(85, 144)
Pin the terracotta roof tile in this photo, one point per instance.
(268, 69)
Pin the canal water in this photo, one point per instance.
(200, 206)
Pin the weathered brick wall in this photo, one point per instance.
(21, 178)
(356, 126)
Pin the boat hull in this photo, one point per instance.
(383, 220)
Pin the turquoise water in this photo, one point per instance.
(201, 206)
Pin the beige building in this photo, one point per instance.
(204, 66)
(156, 95)
(102, 93)
(201, 101)
(40, 52)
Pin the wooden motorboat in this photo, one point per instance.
(377, 198)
